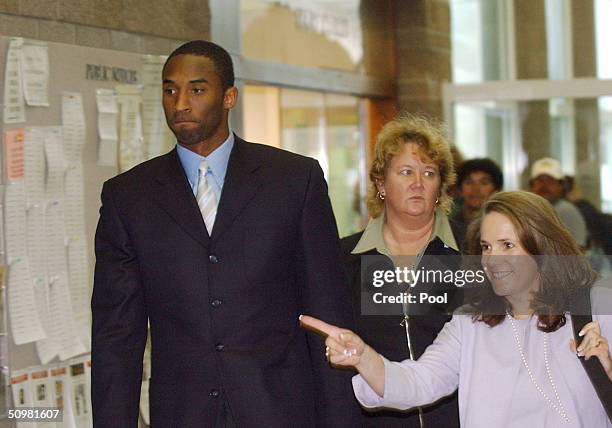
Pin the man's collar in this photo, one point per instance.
(219, 158)
(217, 161)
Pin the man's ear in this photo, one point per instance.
(230, 97)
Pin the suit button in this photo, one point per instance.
(216, 303)
(213, 393)
(213, 259)
(219, 347)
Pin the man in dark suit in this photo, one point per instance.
(220, 245)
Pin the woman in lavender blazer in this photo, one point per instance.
(510, 352)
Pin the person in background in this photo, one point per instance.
(547, 180)
(571, 191)
(408, 204)
(599, 231)
(509, 353)
(599, 242)
(477, 180)
(458, 160)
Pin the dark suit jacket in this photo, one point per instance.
(223, 309)
(387, 335)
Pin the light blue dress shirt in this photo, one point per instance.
(217, 164)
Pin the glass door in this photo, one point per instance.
(320, 125)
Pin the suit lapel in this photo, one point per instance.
(176, 198)
(241, 183)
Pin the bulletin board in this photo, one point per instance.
(77, 71)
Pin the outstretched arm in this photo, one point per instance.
(398, 385)
(345, 348)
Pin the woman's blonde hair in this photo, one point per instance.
(430, 136)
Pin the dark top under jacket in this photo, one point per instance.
(387, 334)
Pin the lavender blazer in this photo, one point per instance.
(495, 389)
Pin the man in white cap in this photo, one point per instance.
(547, 181)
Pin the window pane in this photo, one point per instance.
(479, 40)
(558, 39)
(603, 35)
(345, 150)
(261, 117)
(605, 123)
(351, 35)
(466, 34)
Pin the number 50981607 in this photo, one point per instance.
(36, 414)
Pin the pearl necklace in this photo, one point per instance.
(558, 407)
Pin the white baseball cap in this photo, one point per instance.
(547, 166)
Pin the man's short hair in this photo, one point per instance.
(485, 165)
(220, 58)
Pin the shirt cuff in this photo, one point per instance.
(364, 394)
(395, 392)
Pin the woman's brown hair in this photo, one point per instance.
(563, 269)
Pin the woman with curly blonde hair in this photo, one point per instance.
(408, 203)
